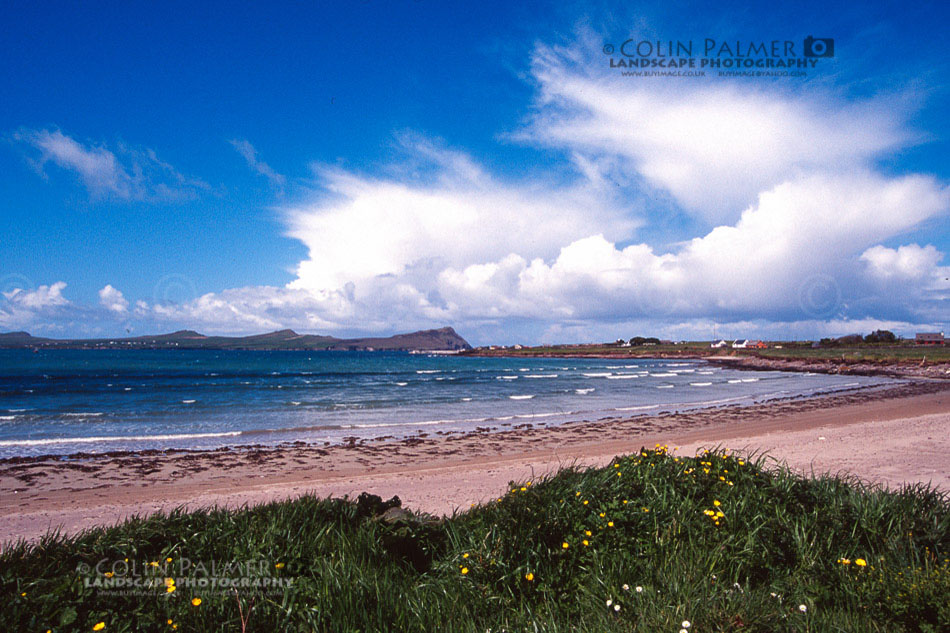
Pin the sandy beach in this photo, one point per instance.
(891, 436)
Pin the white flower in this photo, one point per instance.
(616, 607)
(686, 624)
(610, 602)
(802, 608)
(639, 589)
(683, 631)
(626, 587)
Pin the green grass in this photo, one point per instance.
(877, 353)
(776, 546)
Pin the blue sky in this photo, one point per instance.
(357, 167)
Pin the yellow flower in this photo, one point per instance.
(860, 562)
(616, 465)
(99, 626)
(464, 570)
(577, 494)
(169, 621)
(153, 564)
(279, 565)
(586, 532)
(585, 542)
(716, 503)
(465, 555)
(564, 545)
(585, 502)
(624, 502)
(109, 574)
(610, 523)
(23, 594)
(169, 582)
(529, 576)
(171, 589)
(196, 601)
(602, 515)
(168, 560)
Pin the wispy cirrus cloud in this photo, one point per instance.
(712, 145)
(121, 173)
(249, 153)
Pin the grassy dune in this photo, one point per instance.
(652, 542)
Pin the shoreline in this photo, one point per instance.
(489, 424)
(443, 473)
(921, 370)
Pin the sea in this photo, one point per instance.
(64, 402)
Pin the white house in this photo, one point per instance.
(719, 343)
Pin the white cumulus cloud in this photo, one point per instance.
(113, 300)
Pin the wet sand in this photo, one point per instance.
(891, 436)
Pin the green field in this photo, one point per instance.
(649, 543)
(790, 351)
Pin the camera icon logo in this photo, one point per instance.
(819, 46)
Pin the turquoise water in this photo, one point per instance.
(67, 401)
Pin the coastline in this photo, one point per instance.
(917, 369)
(443, 473)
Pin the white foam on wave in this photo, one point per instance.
(90, 414)
(540, 375)
(584, 392)
(506, 377)
(750, 380)
(524, 397)
(117, 438)
(401, 384)
(700, 384)
(622, 376)
(296, 403)
(638, 408)
(8, 417)
(668, 374)
(737, 380)
(664, 386)
(188, 401)
(428, 371)
(600, 374)
(466, 399)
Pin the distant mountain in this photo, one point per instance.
(427, 340)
